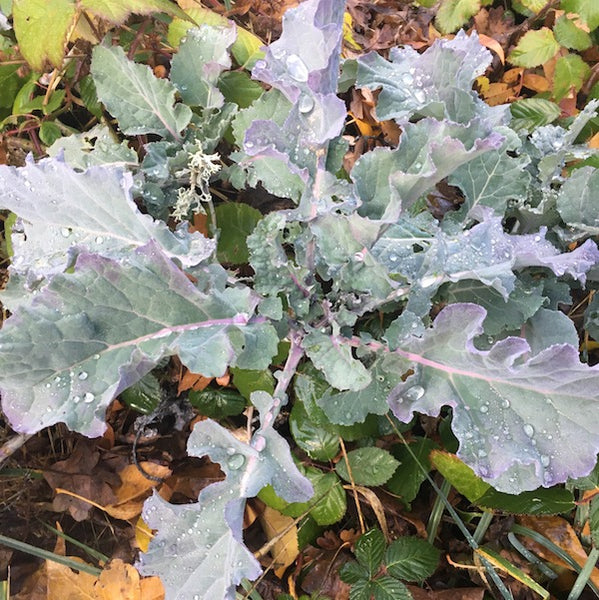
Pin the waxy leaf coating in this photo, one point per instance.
(198, 551)
(522, 422)
(91, 334)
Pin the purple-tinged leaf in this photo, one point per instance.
(64, 212)
(198, 551)
(484, 253)
(306, 56)
(93, 333)
(303, 64)
(390, 181)
(522, 422)
(534, 250)
(436, 83)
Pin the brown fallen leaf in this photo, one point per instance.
(84, 475)
(453, 594)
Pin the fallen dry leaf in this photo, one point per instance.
(84, 475)
(134, 489)
(283, 532)
(562, 534)
(453, 594)
(120, 581)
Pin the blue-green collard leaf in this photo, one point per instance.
(306, 56)
(343, 243)
(494, 178)
(503, 314)
(436, 83)
(484, 253)
(304, 65)
(80, 153)
(515, 416)
(273, 172)
(350, 407)
(335, 360)
(548, 327)
(92, 210)
(198, 551)
(578, 201)
(553, 145)
(141, 102)
(108, 324)
(276, 272)
(389, 181)
(202, 57)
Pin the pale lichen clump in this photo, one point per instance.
(200, 168)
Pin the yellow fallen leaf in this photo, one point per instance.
(285, 549)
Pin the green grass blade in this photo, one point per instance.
(47, 555)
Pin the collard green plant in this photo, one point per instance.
(101, 292)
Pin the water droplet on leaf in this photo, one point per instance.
(414, 393)
(305, 104)
(236, 461)
(297, 68)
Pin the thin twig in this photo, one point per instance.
(12, 445)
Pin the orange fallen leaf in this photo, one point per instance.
(562, 534)
(122, 581)
(134, 489)
(193, 381)
(534, 82)
(498, 93)
(492, 44)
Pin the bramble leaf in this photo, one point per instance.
(370, 550)
(117, 12)
(411, 558)
(41, 29)
(141, 102)
(587, 10)
(514, 416)
(369, 466)
(569, 35)
(452, 14)
(570, 73)
(534, 48)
